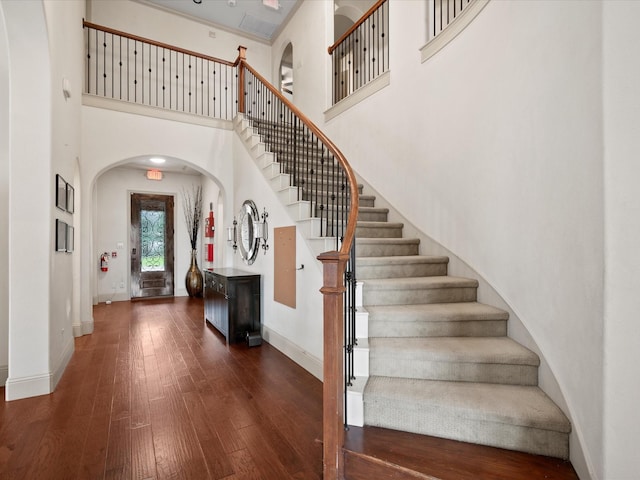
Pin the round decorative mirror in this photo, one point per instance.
(249, 240)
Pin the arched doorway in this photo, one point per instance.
(286, 72)
(113, 190)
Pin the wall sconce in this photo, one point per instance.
(262, 230)
(232, 235)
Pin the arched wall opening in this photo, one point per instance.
(286, 72)
(111, 193)
(114, 139)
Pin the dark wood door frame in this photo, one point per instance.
(151, 283)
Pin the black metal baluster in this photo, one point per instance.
(157, 76)
(142, 75)
(112, 68)
(164, 78)
(88, 87)
(97, 55)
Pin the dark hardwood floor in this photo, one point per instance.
(154, 393)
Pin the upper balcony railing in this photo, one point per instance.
(443, 12)
(133, 69)
(362, 53)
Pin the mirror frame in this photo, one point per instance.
(248, 219)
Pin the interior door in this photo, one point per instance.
(151, 245)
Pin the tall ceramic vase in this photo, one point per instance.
(193, 280)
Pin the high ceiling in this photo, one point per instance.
(253, 18)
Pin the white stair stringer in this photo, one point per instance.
(299, 210)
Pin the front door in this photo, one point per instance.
(151, 245)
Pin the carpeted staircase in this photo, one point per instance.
(436, 362)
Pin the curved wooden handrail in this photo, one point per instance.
(158, 44)
(355, 26)
(350, 231)
(334, 265)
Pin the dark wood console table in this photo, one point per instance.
(232, 302)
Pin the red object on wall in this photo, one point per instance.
(104, 262)
(210, 252)
(209, 225)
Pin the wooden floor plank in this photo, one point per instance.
(143, 459)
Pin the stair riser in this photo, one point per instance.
(266, 159)
(307, 159)
(319, 198)
(413, 297)
(367, 201)
(383, 231)
(311, 227)
(481, 328)
(400, 271)
(372, 216)
(288, 195)
(299, 210)
(387, 364)
(424, 420)
(280, 182)
(386, 250)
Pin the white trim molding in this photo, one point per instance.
(452, 30)
(61, 364)
(155, 112)
(25, 387)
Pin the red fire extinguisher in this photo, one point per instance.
(209, 231)
(104, 262)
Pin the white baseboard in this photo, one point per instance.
(33, 386)
(311, 364)
(113, 297)
(87, 327)
(61, 363)
(25, 387)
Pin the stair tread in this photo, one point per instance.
(526, 406)
(401, 259)
(368, 223)
(481, 350)
(384, 241)
(437, 312)
(414, 283)
(373, 209)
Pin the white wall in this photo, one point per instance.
(310, 32)
(42, 49)
(212, 196)
(66, 49)
(500, 140)
(296, 332)
(622, 221)
(30, 232)
(113, 189)
(4, 201)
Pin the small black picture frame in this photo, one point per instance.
(69, 239)
(61, 193)
(61, 236)
(70, 198)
